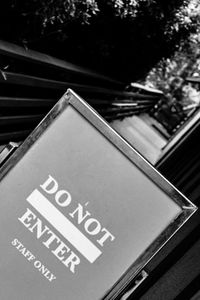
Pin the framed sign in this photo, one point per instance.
(81, 212)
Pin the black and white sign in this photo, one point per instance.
(81, 211)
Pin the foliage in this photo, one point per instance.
(182, 97)
(122, 37)
(61, 12)
(170, 73)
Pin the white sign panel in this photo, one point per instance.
(81, 211)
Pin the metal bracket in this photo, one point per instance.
(136, 283)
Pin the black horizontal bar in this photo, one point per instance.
(122, 115)
(25, 102)
(14, 120)
(123, 109)
(25, 54)
(38, 82)
(14, 136)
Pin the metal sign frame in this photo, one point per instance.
(187, 207)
